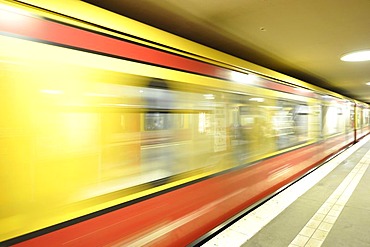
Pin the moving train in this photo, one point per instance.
(114, 133)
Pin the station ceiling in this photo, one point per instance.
(301, 38)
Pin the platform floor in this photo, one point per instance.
(329, 207)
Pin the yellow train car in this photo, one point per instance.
(116, 133)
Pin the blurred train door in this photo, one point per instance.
(157, 151)
(120, 131)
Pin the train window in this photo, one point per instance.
(163, 121)
(156, 121)
(348, 114)
(291, 123)
(333, 120)
(249, 127)
(365, 117)
(159, 103)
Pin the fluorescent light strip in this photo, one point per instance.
(358, 56)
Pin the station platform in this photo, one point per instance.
(328, 207)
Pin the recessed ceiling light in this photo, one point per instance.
(357, 56)
(368, 83)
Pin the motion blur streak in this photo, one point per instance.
(149, 238)
(115, 133)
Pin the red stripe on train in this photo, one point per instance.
(45, 30)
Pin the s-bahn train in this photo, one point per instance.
(114, 133)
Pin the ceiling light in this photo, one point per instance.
(368, 83)
(357, 56)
